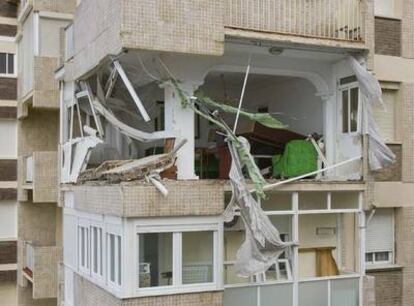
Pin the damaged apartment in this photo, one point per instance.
(210, 153)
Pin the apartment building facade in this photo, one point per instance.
(8, 153)
(97, 225)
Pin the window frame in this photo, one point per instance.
(84, 247)
(348, 88)
(177, 226)
(391, 252)
(118, 260)
(100, 274)
(7, 74)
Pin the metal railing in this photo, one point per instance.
(332, 19)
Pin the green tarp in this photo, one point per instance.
(299, 157)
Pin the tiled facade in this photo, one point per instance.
(88, 294)
(387, 36)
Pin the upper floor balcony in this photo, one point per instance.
(39, 51)
(202, 28)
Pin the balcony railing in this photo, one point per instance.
(331, 19)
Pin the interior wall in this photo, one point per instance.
(295, 99)
(49, 40)
(8, 138)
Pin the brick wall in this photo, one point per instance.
(8, 88)
(392, 173)
(8, 112)
(404, 228)
(388, 287)
(8, 30)
(7, 9)
(8, 169)
(387, 36)
(8, 252)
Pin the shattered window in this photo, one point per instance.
(354, 110)
(345, 111)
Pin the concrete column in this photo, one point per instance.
(181, 121)
(407, 29)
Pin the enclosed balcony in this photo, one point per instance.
(41, 269)
(40, 177)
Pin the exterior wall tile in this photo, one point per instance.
(392, 173)
(8, 169)
(8, 194)
(143, 200)
(58, 6)
(8, 29)
(88, 294)
(8, 88)
(388, 287)
(407, 99)
(8, 9)
(408, 29)
(8, 252)
(8, 112)
(387, 36)
(404, 231)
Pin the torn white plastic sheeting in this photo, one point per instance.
(126, 129)
(263, 244)
(131, 91)
(379, 155)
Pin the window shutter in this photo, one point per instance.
(386, 119)
(380, 231)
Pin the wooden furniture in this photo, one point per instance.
(325, 262)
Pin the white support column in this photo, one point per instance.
(295, 237)
(362, 232)
(180, 121)
(329, 126)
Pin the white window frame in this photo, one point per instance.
(100, 250)
(84, 247)
(7, 74)
(295, 212)
(117, 283)
(177, 226)
(348, 87)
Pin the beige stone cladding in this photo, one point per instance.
(404, 230)
(58, 6)
(184, 26)
(369, 291)
(388, 286)
(407, 96)
(137, 199)
(407, 48)
(88, 294)
(44, 84)
(45, 276)
(45, 177)
(26, 299)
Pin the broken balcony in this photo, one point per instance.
(39, 179)
(40, 267)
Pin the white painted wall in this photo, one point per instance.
(8, 138)
(8, 220)
(25, 54)
(49, 36)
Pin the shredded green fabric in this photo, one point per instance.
(263, 118)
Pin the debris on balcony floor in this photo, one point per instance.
(105, 104)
